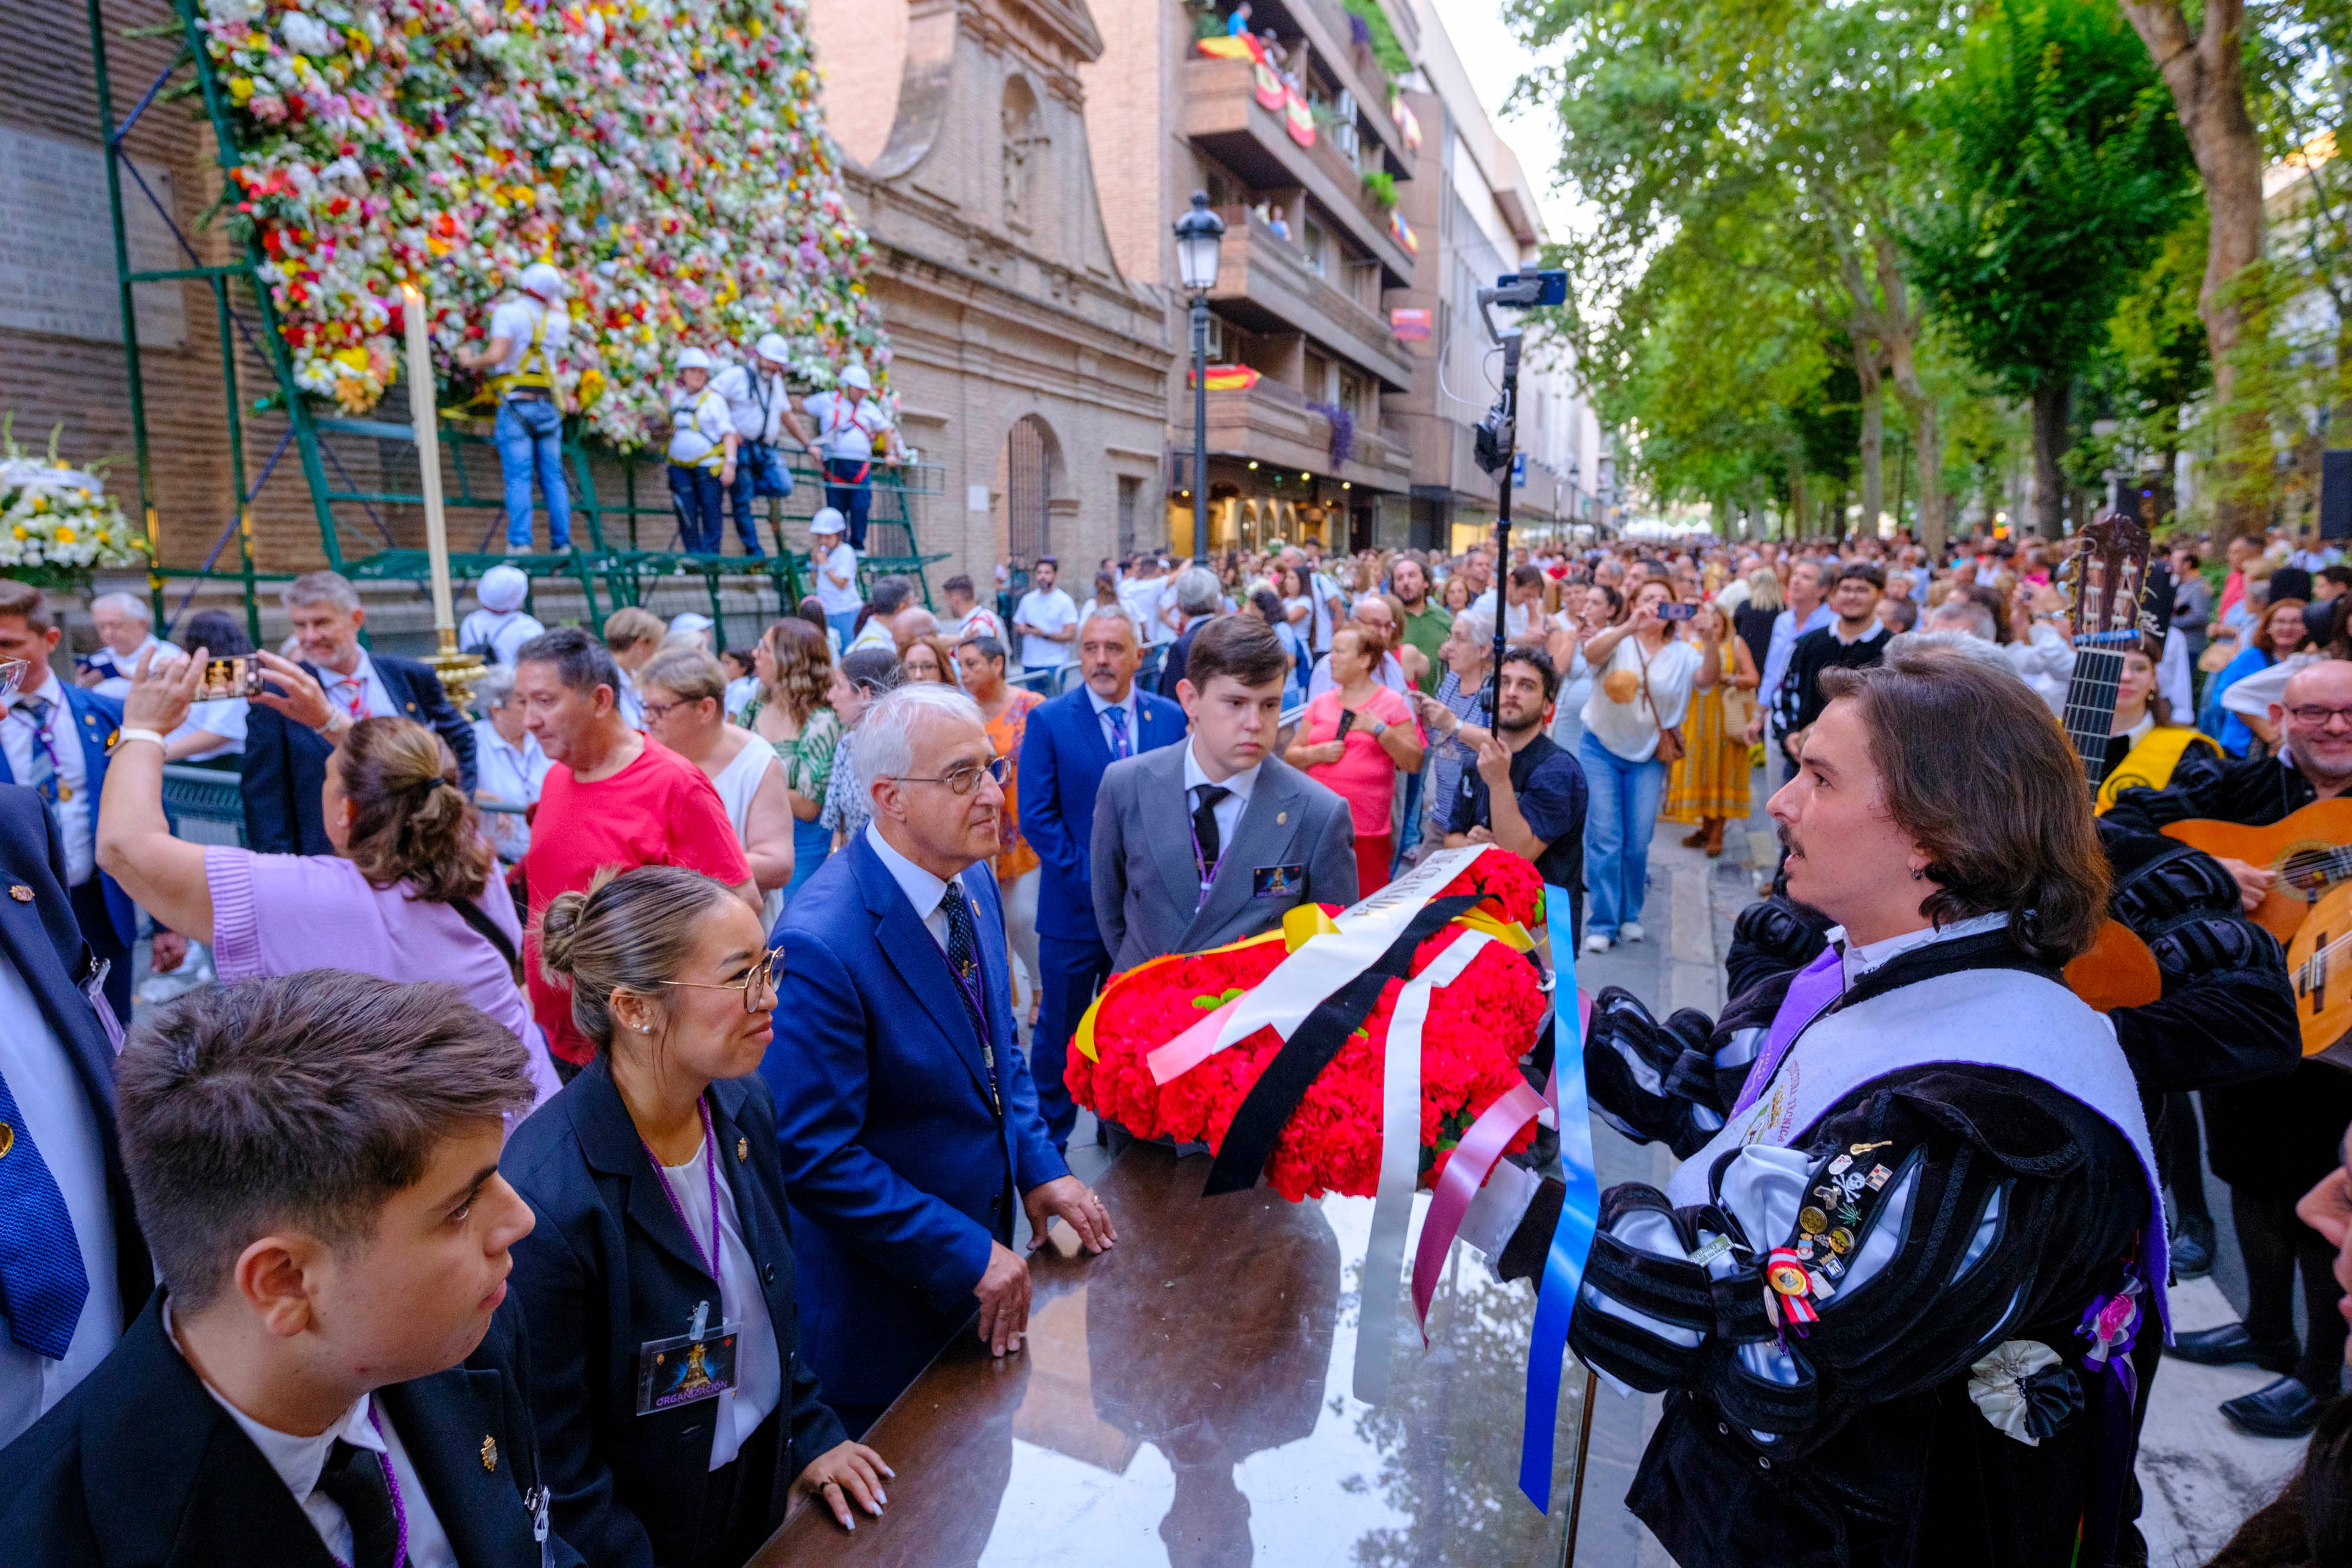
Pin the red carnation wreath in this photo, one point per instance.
(1478, 1028)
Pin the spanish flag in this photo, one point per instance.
(1228, 378)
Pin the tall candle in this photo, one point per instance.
(428, 459)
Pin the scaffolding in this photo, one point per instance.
(619, 500)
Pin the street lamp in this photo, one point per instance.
(1198, 234)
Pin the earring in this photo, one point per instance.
(645, 1028)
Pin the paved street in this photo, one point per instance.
(2201, 1477)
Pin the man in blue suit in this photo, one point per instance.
(54, 738)
(286, 763)
(62, 1307)
(906, 1117)
(1070, 741)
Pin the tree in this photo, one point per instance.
(2055, 175)
(2204, 68)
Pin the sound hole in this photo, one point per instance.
(2308, 871)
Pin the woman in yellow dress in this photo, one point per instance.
(1709, 786)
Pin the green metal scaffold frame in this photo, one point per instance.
(626, 572)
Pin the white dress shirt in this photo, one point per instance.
(223, 716)
(117, 668)
(58, 1121)
(298, 1462)
(76, 812)
(759, 1364)
(923, 890)
(1127, 704)
(1227, 811)
(1858, 960)
(364, 686)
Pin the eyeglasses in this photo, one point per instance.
(965, 780)
(657, 712)
(2313, 716)
(12, 676)
(755, 985)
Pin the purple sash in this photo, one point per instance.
(1815, 986)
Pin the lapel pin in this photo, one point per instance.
(1280, 818)
(489, 1453)
(21, 894)
(8, 1137)
(743, 1148)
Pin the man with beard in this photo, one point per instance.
(1525, 793)
(1425, 623)
(1896, 1282)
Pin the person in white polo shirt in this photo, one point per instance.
(850, 423)
(835, 565)
(761, 407)
(702, 443)
(1046, 619)
(528, 333)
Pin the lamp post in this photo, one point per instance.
(1198, 234)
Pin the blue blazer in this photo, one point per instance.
(1062, 755)
(40, 939)
(286, 764)
(95, 720)
(609, 1267)
(901, 1171)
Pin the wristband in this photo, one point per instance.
(122, 736)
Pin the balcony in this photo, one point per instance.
(1265, 284)
(1271, 424)
(1324, 26)
(1223, 115)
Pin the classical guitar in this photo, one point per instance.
(2308, 907)
(2107, 579)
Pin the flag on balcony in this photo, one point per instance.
(1230, 47)
(1228, 378)
(1299, 119)
(1401, 232)
(1408, 125)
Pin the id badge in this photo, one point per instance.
(685, 1369)
(1277, 881)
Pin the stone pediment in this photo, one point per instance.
(1067, 24)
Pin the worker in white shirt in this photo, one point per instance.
(1047, 620)
(702, 443)
(527, 335)
(836, 565)
(761, 407)
(849, 422)
(493, 632)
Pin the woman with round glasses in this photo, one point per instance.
(677, 1423)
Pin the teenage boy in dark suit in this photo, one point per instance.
(329, 1374)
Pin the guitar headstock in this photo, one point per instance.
(2107, 577)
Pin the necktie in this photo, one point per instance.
(41, 1274)
(1204, 828)
(351, 691)
(963, 961)
(354, 1480)
(44, 776)
(1119, 745)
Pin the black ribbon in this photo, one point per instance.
(1268, 1107)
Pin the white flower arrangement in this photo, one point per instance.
(669, 156)
(58, 524)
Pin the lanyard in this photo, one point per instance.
(1201, 862)
(710, 1148)
(392, 1484)
(40, 728)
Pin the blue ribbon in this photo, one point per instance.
(1571, 1238)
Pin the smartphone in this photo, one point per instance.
(1346, 723)
(225, 678)
(1675, 612)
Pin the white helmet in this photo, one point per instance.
(774, 349)
(544, 280)
(856, 376)
(693, 359)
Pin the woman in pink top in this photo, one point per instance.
(1354, 738)
(410, 894)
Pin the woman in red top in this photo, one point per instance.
(1353, 740)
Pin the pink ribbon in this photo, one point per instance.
(1466, 1172)
(1192, 1047)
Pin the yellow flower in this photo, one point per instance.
(65, 536)
(23, 532)
(355, 358)
(40, 503)
(241, 89)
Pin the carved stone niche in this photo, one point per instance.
(1023, 156)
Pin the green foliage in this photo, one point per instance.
(1386, 47)
(2060, 169)
(1380, 185)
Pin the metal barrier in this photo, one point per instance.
(205, 805)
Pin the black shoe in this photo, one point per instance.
(2284, 1409)
(2191, 1259)
(2230, 1345)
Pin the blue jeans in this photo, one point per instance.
(849, 490)
(1623, 809)
(528, 436)
(1409, 831)
(701, 503)
(759, 471)
(843, 624)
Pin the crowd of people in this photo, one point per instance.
(492, 1074)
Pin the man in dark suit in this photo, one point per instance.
(54, 738)
(56, 1101)
(904, 1111)
(1068, 743)
(286, 763)
(316, 1163)
(1217, 839)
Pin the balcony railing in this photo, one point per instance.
(1265, 283)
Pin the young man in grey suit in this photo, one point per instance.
(1203, 843)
